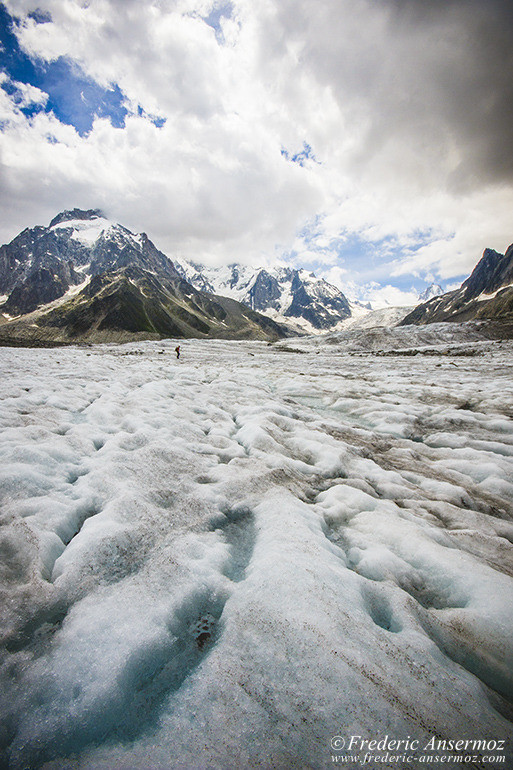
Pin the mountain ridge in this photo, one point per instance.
(130, 288)
(290, 296)
(487, 294)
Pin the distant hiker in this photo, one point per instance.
(177, 351)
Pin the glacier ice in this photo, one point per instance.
(226, 560)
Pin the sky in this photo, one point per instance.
(370, 141)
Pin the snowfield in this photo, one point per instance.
(228, 560)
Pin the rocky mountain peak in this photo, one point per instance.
(74, 214)
(87, 276)
(433, 290)
(486, 294)
(491, 271)
(288, 295)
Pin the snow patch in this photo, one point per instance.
(486, 296)
(86, 231)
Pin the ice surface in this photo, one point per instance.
(226, 560)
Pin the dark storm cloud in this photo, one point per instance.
(428, 82)
(425, 10)
(473, 77)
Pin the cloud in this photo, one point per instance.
(471, 75)
(254, 131)
(23, 95)
(209, 183)
(389, 296)
(427, 84)
(379, 295)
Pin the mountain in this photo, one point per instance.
(86, 277)
(433, 290)
(486, 294)
(292, 297)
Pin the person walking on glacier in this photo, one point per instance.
(177, 351)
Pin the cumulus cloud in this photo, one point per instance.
(388, 296)
(211, 182)
(405, 107)
(379, 295)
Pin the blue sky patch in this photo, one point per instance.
(155, 119)
(40, 17)
(73, 98)
(366, 261)
(300, 157)
(214, 19)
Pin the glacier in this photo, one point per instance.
(248, 556)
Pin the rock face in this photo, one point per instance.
(486, 294)
(265, 292)
(76, 214)
(493, 272)
(37, 267)
(108, 279)
(290, 296)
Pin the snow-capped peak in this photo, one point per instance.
(292, 296)
(88, 227)
(433, 290)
